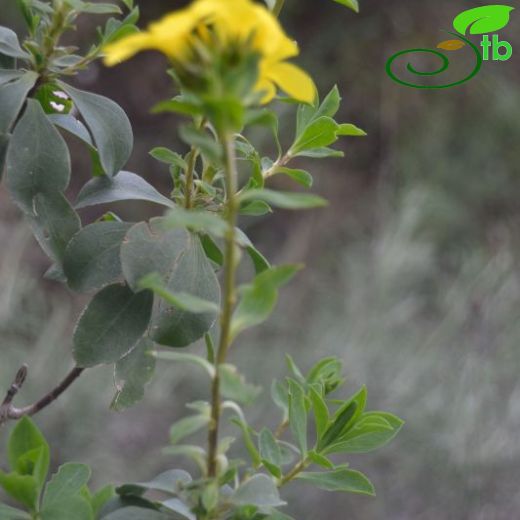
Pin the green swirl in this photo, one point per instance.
(445, 64)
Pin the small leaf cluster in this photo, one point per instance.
(55, 499)
(314, 429)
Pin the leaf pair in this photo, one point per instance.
(119, 315)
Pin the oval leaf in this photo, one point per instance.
(54, 223)
(12, 97)
(9, 45)
(37, 159)
(260, 490)
(178, 257)
(109, 126)
(111, 325)
(124, 186)
(340, 479)
(92, 258)
(132, 374)
(68, 481)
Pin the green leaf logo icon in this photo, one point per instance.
(483, 20)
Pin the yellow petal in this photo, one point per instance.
(125, 48)
(292, 80)
(267, 88)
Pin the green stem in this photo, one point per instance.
(229, 296)
(298, 468)
(52, 37)
(278, 6)
(192, 159)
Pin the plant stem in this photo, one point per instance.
(280, 430)
(9, 412)
(278, 6)
(229, 296)
(192, 159)
(298, 468)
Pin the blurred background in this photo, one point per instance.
(412, 273)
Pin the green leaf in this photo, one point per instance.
(195, 453)
(247, 432)
(294, 370)
(321, 132)
(280, 398)
(109, 126)
(151, 248)
(178, 257)
(300, 176)
(327, 373)
(259, 490)
(131, 375)
(9, 45)
(70, 507)
(67, 482)
(12, 98)
(348, 129)
(7, 75)
(258, 299)
(177, 105)
(203, 141)
(23, 488)
(372, 431)
(256, 208)
(187, 426)
(54, 223)
(483, 20)
(100, 498)
(169, 482)
(136, 513)
(344, 419)
(168, 156)
(179, 507)
(28, 451)
(124, 186)
(260, 262)
(321, 412)
(111, 325)
(320, 460)
(196, 220)
(212, 250)
(72, 126)
(95, 8)
(269, 449)
(284, 200)
(234, 386)
(298, 415)
(340, 479)
(92, 256)
(321, 153)
(181, 357)
(352, 4)
(330, 105)
(37, 160)
(10, 513)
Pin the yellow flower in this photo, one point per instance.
(232, 21)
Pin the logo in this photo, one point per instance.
(478, 21)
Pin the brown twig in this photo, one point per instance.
(10, 412)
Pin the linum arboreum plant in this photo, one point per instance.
(156, 284)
